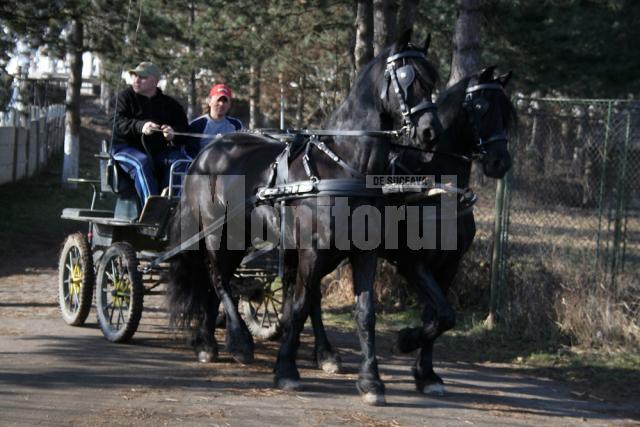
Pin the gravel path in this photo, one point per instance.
(53, 374)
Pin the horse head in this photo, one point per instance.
(490, 114)
(409, 79)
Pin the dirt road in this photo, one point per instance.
(53, 374)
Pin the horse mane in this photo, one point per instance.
(365, 72)
(449, 102)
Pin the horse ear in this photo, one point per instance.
(404, 38)
(402, 41)
(427, 43)
(504, 79)
(487, 74)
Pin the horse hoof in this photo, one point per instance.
(243, 359)
(374, 399)
(433, 389)
(205, 356)
(289, 384)
(331, 367)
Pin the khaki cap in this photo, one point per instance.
(146, 69)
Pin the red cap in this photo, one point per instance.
(220, 90)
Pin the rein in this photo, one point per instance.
(285, 135)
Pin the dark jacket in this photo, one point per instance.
(133, 111)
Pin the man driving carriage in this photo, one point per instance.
(144, 143)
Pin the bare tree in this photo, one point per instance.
(300, 102)
(466, 41)
(254, 94)
(71, 162)
(363, 50)
(191, 84)
(384, 24)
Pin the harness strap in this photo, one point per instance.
(197, 237)
(282, 237)
(333, 156)
(282, 166)
(497, 137)
(424, 105)
(306, 162)
(406, 54)
(483, 86)
(324, 187)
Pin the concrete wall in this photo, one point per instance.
(25, 148)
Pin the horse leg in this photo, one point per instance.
(437, 317)
(203, 339)
(286, 375)
(369, 383)
(192, 302)
(238, 339)
(325, 357)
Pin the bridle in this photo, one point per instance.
(402, 77)
(476, 107)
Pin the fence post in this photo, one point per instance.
(37, 131)
(603, 178)
(619, 208)
(497, 255)
(15, 149)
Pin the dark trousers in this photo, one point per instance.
(148, 174)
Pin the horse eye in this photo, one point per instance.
(481, 106)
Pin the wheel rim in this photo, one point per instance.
(74, 277)
(265, 308)
(116, 293)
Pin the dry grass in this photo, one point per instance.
(391, 291)
(557, 290)
(597, 318)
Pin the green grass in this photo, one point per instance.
(32, 208)
(30, 223)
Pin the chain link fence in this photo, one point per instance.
(571, 244)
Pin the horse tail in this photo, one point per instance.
(189, 283)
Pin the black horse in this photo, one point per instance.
(477, 115)
(392, 92)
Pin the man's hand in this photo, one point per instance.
(149, 128)
(167, 131)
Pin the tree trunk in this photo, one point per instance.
(466, 41)
(254, 95)
(72, 107)
(300, 102)
(105, 96)
(407, 14)
(192, 107)
(363, 50)
(384, 24)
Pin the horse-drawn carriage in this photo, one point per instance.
(111, 256)
(392, 97)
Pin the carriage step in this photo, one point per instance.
(155, 210)
(77, 213)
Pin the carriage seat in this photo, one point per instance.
(113, 179)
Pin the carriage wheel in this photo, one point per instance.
(76, 279)
(119, 292)
(262, 310)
